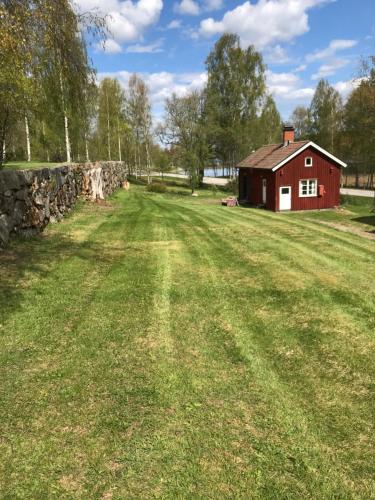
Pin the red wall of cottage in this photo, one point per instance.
(327, 173)
(254, 180)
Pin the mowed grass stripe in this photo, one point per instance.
(316, 263)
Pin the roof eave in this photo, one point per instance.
(302, 148)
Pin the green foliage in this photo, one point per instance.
(302, 122)
(111, 120)
(45, 74)
(138, 110)
(162, 160)
(346, 130)
(232, 186)
(233, 96)
(326, 112)
(156, 187)
(360, 123)
(269, 123)
(185, 130)
(214, 189)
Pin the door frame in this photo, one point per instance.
(264, 190)
(244, 187)
(290, 197)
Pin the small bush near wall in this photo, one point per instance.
(157, 187)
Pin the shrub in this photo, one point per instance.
(232, 186)
(214, 189)
(156, 187)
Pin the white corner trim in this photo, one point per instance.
(312, 144)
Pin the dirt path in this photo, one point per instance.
(347, 229)
(358, 192)
(217, 181)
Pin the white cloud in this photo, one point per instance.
(187, 7)
(346, 87)
(330, 68)
(210, 5)
(151, 48)
(276, 55)
(300, 68)
(109, 46)
(175, 24)
(128, 20)
(162, 84)
(287, 86)
(330, 51)
(193, 8)
(265, 23)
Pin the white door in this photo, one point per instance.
(264, 191)
(285, 198)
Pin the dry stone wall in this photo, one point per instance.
(30, 199)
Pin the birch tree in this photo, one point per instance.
(326, 112)
(184, 129)
(233, 98)
(111, 118)
(15, 58)
(139, 116)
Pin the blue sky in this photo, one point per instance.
(167, 42)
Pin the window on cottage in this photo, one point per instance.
(308, 161)
(307, 188)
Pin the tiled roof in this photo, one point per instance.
(267, 157)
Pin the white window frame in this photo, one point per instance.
(308, 158)
(308, 194)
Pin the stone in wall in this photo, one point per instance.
(30, 199)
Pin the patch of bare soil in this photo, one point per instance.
(103, 203)
(348, 229)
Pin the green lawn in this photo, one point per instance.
(24, 165)
(165, 346)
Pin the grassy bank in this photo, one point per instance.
(165, 346)
(24, 165)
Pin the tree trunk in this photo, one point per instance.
(356, 178)
(67, 140)
(66, 121)
(119, 140)
(87, 150)
(45, 142)
(138, 164)
(108, 130)
(2, 138)
(148, 163)
(28, 147)
(4, 153)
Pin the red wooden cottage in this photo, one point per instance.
(291, 176)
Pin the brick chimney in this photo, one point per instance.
(288, 134)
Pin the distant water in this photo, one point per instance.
(210, 172)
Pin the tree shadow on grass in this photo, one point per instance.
(368, 219)
(25, 260)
